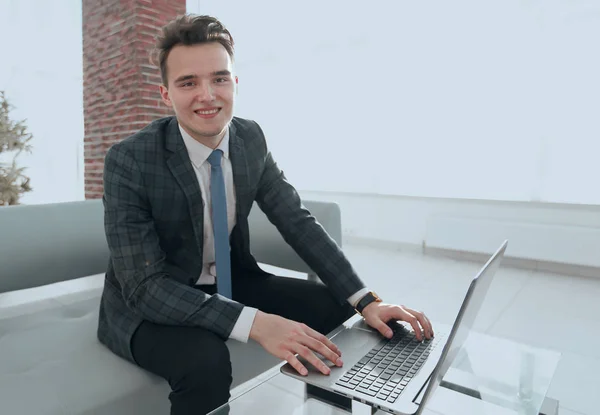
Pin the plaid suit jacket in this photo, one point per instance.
(154, 229)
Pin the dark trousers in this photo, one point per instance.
(196, 362)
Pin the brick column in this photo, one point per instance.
(120, 86)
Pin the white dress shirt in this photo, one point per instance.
(199, 157)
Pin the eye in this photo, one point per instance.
(221, 80)
(186, 84)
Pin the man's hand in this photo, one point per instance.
(284, 338)
(377, 315)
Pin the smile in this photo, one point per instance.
(207, 113)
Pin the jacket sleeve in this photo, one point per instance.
(139, 263)
(280, 202)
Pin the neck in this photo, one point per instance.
(212, 141)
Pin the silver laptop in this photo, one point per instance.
(400, 374)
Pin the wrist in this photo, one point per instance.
(370, 307)
(256, 329)
(367, 300)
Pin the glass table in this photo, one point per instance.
(490, 376)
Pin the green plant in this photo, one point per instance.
(14, 139)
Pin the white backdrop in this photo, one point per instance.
(41, 72)
(464, 99)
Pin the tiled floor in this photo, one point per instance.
(558, 312)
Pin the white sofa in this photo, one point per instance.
(52, 260)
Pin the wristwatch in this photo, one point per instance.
(366, 300)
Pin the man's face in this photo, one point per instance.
(201, 89)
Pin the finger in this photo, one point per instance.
(321, 348)
(295, 363)
(306, 353)
(424, 321)
(404, 315)
(382, 328)
(323, 339)
(431, 334)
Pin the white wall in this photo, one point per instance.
(41, 72)
(466, 99)
(463, 99)
(439, 124)
(405, 98)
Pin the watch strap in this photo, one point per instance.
(366, 300)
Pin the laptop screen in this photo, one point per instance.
(463, 323)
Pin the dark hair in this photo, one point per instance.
(188, 30)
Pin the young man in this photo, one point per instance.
(182, 279)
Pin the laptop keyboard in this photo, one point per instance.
(387, 368)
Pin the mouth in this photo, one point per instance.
(207, 113)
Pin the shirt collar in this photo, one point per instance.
(198, 152)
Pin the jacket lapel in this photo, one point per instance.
(239, 165)
(181, 167)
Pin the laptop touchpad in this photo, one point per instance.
(362, 325)
(356, 343)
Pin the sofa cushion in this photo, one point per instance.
(52, 363)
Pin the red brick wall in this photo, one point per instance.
(120, 86)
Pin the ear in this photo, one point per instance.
(164, 94)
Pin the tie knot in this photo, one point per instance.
(215, 158)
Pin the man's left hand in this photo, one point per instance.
(377, 315)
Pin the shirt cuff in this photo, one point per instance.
(355, 298)
(243, 325)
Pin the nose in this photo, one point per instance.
(206, 92)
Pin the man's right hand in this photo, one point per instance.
(285, 338)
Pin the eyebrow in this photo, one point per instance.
(182, 78)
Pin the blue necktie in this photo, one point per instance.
(220, 229)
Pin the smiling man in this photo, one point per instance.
(182, 279)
